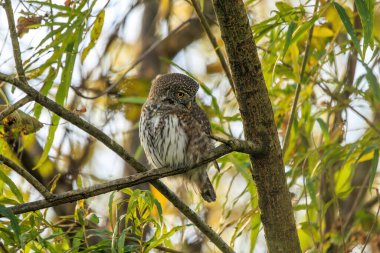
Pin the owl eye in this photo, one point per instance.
(180, 94)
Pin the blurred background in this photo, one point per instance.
(97, 58)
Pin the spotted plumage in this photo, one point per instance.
(174, 131)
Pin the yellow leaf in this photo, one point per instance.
(366, 157)
(19, 122)
(95, 33)
(322, 32)
(294, 53)
(160, 198)
(343, 181)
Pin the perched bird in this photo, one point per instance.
(174, 131)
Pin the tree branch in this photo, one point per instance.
(148, 51)
(118, 184)
(15, 44)
(257, 116)
(25, 174)
(10, 109)
(212, 39)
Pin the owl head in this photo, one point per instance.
(174, 88)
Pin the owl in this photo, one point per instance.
(175, 132)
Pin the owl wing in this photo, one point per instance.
(203, 120)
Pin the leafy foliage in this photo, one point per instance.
(331, 162)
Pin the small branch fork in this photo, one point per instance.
(147, 175)
(10, 109)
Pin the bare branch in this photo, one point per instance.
(15, 44)
(143, 177)
(213, 41)
(25, 174)
(10, 109)
(134, 64)
(345, 103)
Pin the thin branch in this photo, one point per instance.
(345, 103)
(214, 43)
(298, 88)
(118, 149)
(374, 225)
(2, 247)
(15, 44)
(134, 64)
(164, 249)
(25, 174)
(10, 109)
(136, 179)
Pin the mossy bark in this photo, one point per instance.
(257, 115)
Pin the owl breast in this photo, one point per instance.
(163, 139)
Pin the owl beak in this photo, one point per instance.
(188, 105)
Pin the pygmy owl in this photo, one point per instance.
(174, 131)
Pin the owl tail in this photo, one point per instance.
(205, 187)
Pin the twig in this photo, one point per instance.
(374, 224)
(118, 149)
(337, 98)
(298, 88)
(355, 205)
(157, 247)
(168, 249)
(306, 201)
(25, 174)
(121, 183)
(2, 247)
(138, 61)
(15, 44)
(10, 109)
(214, 43)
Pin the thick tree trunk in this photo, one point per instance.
(257, 115)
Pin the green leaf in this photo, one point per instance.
(132, 100)
(366, 18)
(159, 209)
(312, 191)
(373, 84)
(13, 219)
(77, 240)
(374, 164)
(342, 181)
(92, 217)
(202, 5)
(95, 33)
(62, 92)
(347, 24)
(302, 29)
(12, 186)
(45, 89)
(121, 242)
(110, 209)
(162, 238)
(288, 38)
(324, 128)
(284, 7)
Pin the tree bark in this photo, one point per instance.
(257, 115)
